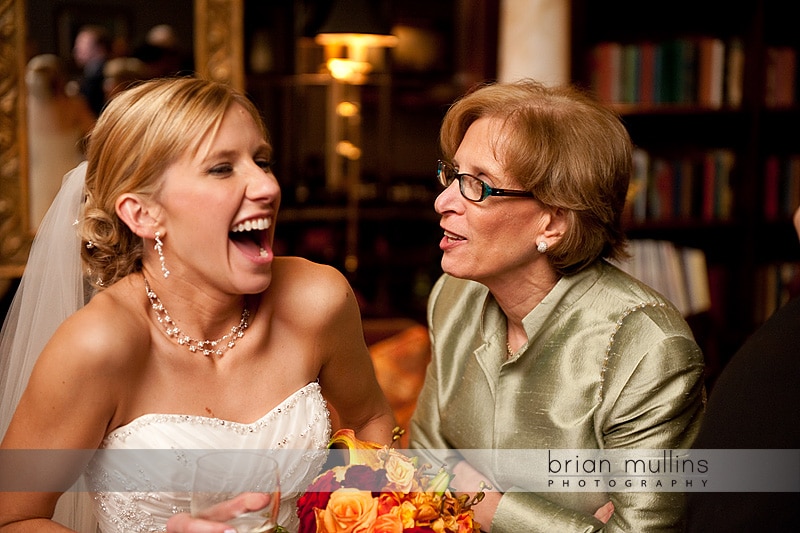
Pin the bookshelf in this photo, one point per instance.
(709, 93)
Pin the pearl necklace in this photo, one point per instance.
(509, 351)
(205, 346)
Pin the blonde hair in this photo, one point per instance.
(140, 133)
(566, 148)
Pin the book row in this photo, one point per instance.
(694, 186)
(776, 284)
(703, 71)
(681, 275)
(781, 186)
(781, 77)
(678, 273)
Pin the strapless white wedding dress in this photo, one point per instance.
(142, 473)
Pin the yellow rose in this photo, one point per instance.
(427, 507)
(439, 526)
(400, 473)
(408, 514)
(427, 512)
(348, 511)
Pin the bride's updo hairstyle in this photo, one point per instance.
(139, 134)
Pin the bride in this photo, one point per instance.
(196, 336)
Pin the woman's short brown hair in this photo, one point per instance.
(566, 148)
(139, 134)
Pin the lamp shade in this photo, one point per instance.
(355, 16)
(358, 26)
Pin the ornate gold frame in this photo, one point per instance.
(218, 55)
(14, 234)
(219, 40)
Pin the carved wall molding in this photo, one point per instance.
(14, 234)
(219, 41)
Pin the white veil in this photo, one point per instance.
(51, 289)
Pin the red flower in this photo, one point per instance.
(317, 496)
(365, 478)
(387, 501)
(326, 482)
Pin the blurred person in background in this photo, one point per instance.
(91, 50)
(57, 125)
(163, 54)
(121, 73)
(753, 405)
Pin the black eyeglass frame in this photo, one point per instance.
(486, 190)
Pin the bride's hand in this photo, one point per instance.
(212, 520)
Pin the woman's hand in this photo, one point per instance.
(604, 513)
(468, 480)
(212, 520)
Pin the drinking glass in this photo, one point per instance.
(221, 476)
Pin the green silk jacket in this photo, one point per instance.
(609, 364)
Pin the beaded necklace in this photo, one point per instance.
(207, 347)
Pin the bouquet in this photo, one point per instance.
(383, 491)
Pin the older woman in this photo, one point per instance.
(538, 341)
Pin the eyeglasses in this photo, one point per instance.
(472, 188)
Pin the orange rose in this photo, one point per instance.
(387, 502)
(388, 523)
(348, 511)
(465, 523)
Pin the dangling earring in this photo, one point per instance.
(541, 247)
(159, 247)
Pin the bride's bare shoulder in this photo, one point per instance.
(106, 331)
(293, 273)
(309, 285)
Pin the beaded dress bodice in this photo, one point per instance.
(142, 473)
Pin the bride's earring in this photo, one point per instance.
(541, 247)
(159, 247)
